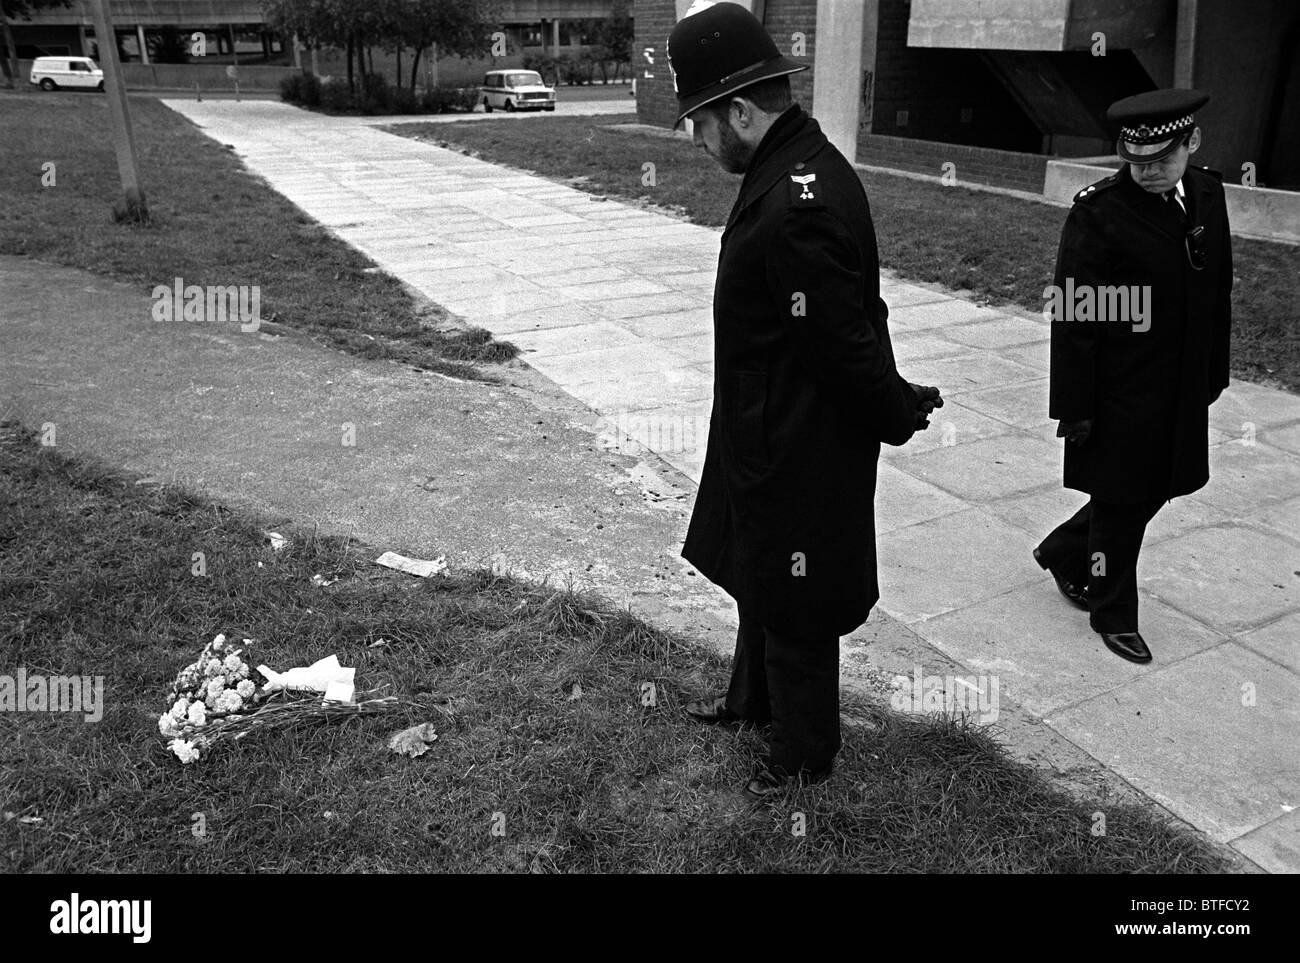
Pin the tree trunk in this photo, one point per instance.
(132, 207)
(11, 61)
(415, 67)
(370, 59)
(399, 66)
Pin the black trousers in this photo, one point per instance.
(1098, 547)
(793, 682)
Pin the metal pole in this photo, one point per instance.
(132, 205)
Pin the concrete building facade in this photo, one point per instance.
(1003, 87)
(236, 31)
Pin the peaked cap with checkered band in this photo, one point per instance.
(1152, 124)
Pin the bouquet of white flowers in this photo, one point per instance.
(215, 698)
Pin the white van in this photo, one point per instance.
(516, 90)
(51, 73)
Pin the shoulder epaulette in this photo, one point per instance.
(1092, 190)
(804, 188)
(1217, 175)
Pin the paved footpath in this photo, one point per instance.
(611, 303)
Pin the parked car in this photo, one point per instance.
(516, 90)
(51, 73)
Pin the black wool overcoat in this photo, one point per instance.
(805, 391)
(1147, 392)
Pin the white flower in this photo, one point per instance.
(180, 707)
(213, 667)
(216, 686)
(246, 688)
(167, 725)
(219, 641)
(197, 714)
(211, 701)
(186, 752)
(229, 701)
(232, 663)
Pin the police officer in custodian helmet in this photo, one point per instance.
(805, 392)
(1140, 333)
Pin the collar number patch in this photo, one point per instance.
(805, 181)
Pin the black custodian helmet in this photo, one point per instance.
(719, 50)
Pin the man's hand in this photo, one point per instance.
(1075, 431)
(927, 399)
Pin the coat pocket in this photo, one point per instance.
(750, 400)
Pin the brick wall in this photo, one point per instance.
(981, 165)
(655, 101)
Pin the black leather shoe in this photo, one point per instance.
(1075, 595)
(765, 783)
(713, 709)
(1127, 645)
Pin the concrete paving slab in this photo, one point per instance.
(1023, 405)
(696, 349)
(1279, 641)
(1246, 477)
(691, 282)
(988, 468)
(950, 562)
(609, 290)
(512, 319)
(1183, 735)
(688, 323)
(955, 374)
(999, 331)
(1275, 846)
(1037, 512)
(676, 433)
(902, 500)
(952, 425)
(582, 368)
(1285, 437)
(1283, 517)
(554, 342)
(586, 270)
(898, 295)
(1234, 577)
(650, 305)
(1181, 516)
(672, 386)
(911, 346)
(935, 314)
(1246, 404)
(1041, 647)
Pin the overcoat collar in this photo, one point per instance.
(793, 137)
(1198, 195)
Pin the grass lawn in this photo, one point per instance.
(1001, 248)
(212, 223)
(536, 694)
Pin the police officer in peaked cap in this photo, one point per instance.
(805, 392)
(1140, 331)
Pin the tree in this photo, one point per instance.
(169, 45)
(11, 10)
(616, 36)
(462, 28)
